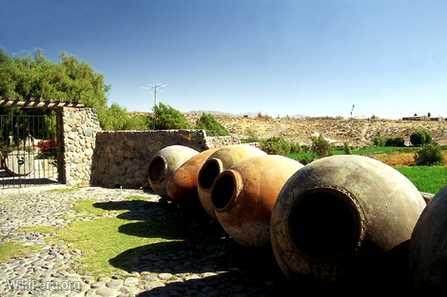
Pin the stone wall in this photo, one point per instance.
(77, 129)
(219, 141)
(121, 158)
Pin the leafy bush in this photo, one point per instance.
(347, 148)
(212, 127)
(321, 146)
(117, 118)
(166, 117)
(379, 140)
(295, 148)
(396, 141)
(276, 146)
(305, 148)
(429, 154)
(420, 137)
(47, 148)
(306, 159)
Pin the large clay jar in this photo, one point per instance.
(243, 197)
(182, 185)
(339, 216)
(428, 246)
(219, 161)
(165, 163)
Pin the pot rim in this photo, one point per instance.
(163, 172)
(237, 185)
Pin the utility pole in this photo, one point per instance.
(154, 87)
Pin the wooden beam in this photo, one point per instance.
(32, 103)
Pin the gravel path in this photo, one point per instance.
(197, 267)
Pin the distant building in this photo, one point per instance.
(422, 118)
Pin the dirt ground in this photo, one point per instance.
(400, 159)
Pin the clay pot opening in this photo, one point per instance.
(209, 172)
(158, 169)
(225, 190)
(326, 224)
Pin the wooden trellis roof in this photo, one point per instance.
(38, 103)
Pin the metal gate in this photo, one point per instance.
(28, 149)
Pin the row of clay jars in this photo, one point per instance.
(330, 214)
(174, 171)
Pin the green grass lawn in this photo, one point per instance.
(11, 249)
(102, 238)
(429, 179)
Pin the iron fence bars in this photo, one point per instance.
(28, 149)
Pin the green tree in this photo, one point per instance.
(429, 154)
(212, 127)
(276, 145)
(118, 118)
(165, 117)
(67, 80)
(379, 140)
(420, 137)
(321, 146)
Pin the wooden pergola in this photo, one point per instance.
(37, 103)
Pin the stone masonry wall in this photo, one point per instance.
(219, 141)
(121, 158)
(77, 128)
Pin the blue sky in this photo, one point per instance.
(388, 57)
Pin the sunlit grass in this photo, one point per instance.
(429, 179)
(136, 197)
(103, 238)
(64, 190)
(13, 249)
(85, 207)
(39, 229)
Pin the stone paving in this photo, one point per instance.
(192, 267)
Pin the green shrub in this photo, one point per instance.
(212, 127)
(347, 148)
(396, 142)
(165, 117)
(429, 154)
(276, 146)
(306, 159)
(305, 148)
(295, 148)
(117, 118)
(321, 146)
(420, 137)
(379, 140)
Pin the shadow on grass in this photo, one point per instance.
(153, 229)
(198, 245)
(126, 205)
